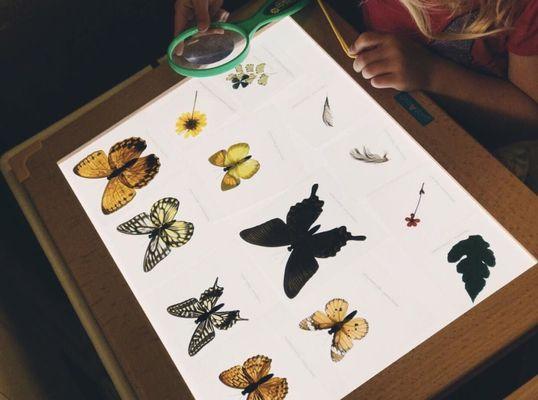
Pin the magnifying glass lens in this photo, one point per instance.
(209, 49)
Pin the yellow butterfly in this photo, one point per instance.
(344, 328)
(124, 169)
(255, 380)
(237, 164)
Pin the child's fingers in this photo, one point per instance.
(214, 7)
(222, 15)
(367, 57)
(181, 17)
(384, 81)
(365, 41)
(375, 69)
(201, 9)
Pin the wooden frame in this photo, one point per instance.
(130, 349)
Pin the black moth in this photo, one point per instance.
(304, 243)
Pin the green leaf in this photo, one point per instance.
(475, 257)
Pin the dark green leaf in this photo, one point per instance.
(475, 257)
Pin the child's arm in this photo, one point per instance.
(484, 104)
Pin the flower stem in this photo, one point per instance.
(194, 105)
(420, 193)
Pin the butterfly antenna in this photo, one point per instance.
(216, 281)
(314, 190)
(194, 105)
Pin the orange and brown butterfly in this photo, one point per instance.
(236, 163)
(254, 379)
(124, 169)
(344, 327)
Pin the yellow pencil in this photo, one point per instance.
(337, 33)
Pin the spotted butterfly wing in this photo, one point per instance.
(335, 312)
(335, 318)
(354, 329)
(304, 243)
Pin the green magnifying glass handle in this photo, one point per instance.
(271, 11)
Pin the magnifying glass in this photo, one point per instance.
(224, 45)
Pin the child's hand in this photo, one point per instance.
(203, 11)
(389, 61)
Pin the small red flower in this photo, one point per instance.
(412, 221)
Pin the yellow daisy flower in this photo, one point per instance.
(191, 123)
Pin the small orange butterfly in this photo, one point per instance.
(255, 380)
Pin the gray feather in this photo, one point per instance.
(367, 156)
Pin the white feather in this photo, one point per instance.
(327, 113)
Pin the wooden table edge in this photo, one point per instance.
(60, 269)
(529, 391)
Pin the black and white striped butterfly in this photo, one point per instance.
(207, 314)
(163, 230)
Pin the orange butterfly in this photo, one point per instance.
(344, 328)
(124, 169)
(255, 380)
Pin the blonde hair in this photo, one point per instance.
(492, 16)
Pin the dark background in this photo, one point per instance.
(55, 56)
